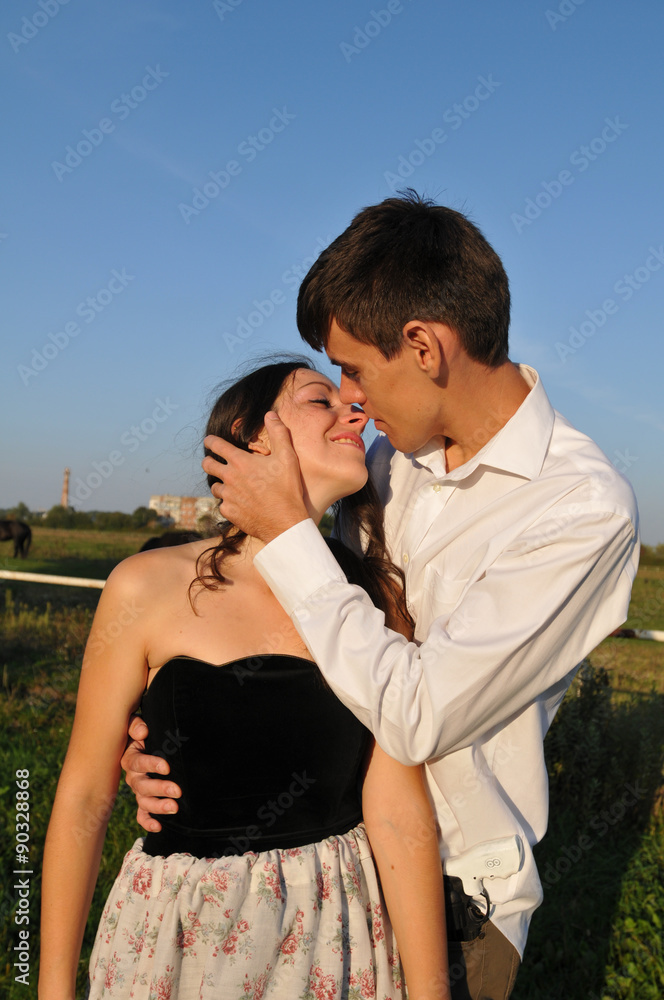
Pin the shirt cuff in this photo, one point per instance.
(296, 564)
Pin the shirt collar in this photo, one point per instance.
(519, 447)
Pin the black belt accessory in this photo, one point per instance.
(464, 917)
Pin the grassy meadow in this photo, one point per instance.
(599, 933)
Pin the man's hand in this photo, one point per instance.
(260, 494)
(137, 764)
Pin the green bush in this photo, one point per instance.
(598, 935)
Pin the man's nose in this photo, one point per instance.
(350, 392)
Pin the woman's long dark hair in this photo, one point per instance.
(237, 416)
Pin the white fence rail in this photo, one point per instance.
(67, 581)
(82, 581)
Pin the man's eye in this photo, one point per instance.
(349, 374)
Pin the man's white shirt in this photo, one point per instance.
(517, 564)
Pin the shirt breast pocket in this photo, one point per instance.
(441, 595)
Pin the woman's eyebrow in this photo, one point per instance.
(326, 385)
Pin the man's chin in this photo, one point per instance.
(399, 443)
(394, 438)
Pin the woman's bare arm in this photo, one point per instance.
(112, 680)
(403, 836)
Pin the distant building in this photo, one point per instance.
(64, 499)
(182, 512)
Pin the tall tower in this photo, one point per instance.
(64, 499)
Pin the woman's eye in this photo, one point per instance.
(325, 402)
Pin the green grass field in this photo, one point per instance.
(74, 553)
(598, 935)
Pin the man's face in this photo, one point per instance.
(393, 393)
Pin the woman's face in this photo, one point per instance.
(326, 435)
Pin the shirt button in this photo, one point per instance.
(437, 487)
(405, 557)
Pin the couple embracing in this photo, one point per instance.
(334, 718)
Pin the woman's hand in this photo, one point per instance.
(153, 795)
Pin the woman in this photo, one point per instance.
(266, 888)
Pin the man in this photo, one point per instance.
(516, 535)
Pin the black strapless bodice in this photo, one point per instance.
(265, 754)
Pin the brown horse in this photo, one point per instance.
(20, 533)
(170, 538)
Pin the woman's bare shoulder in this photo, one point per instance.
(158, 569)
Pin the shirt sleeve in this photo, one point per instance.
(544, 603)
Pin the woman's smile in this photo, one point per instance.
(353, 439)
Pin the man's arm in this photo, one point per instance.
(537, 611)
(542, 605)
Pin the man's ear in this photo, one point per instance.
(429, 343)
(260, 443)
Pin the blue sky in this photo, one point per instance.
(128, 298)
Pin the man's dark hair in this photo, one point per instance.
(406, 259)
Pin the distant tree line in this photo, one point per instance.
(143, 517)
(652, 555)
(92, 520)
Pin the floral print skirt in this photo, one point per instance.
(302, 924)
